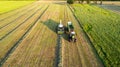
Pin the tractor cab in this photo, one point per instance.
(72, 36)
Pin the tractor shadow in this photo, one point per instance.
(65, 36)
(52, 25)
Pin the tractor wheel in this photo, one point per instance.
(74, 40)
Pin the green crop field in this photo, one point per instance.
(6, 6)
(29, 38)
(103, 28)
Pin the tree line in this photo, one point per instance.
(88, 1)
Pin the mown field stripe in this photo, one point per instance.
(87, 37)
(16, 18)
(17, 43)
(19, 24)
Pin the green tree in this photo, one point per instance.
(70, 1)
(100, 2)
(95, 1)
(88, 1)
(82, 1)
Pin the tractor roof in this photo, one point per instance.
(69, 23)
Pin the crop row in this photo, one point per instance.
(103, 30)
(38, 47)
(10, 28)
(13, 38)
(12, 19)
(8, 7)
(6, 18)
(33, 42)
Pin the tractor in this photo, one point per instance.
(71, 32)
